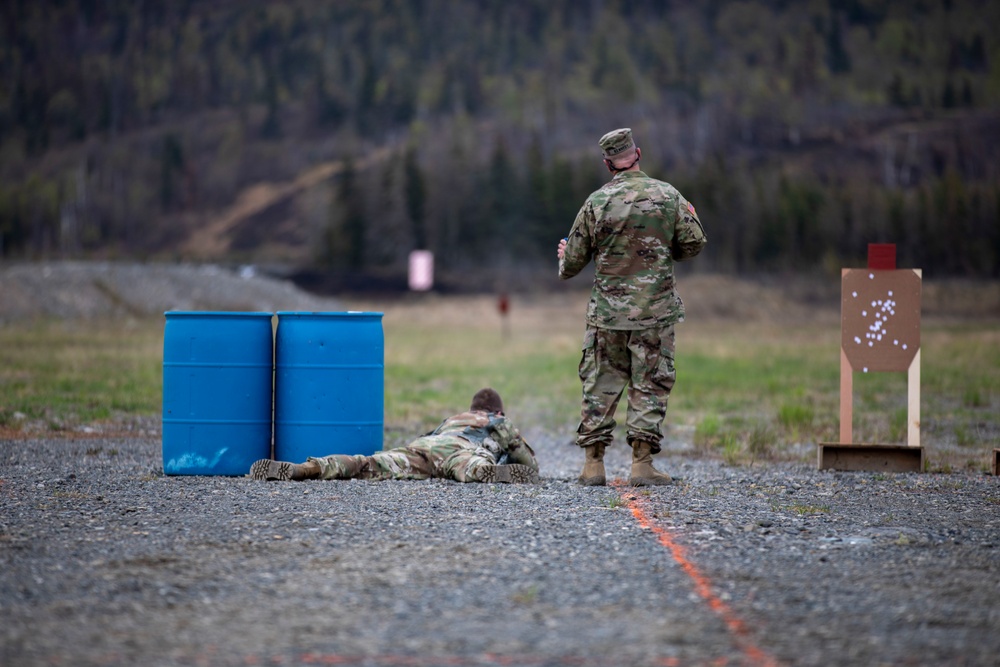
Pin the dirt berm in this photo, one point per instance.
(67, 290)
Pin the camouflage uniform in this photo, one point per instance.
(634, 228)
(458, 449)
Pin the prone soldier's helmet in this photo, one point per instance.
(487, 400)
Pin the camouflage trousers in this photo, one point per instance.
(444, 456)
(640, 360)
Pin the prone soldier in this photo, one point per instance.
(479, 445)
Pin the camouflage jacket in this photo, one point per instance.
(634, 228)
(487, 433)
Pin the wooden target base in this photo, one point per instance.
(861, 457)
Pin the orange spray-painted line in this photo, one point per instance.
(754, 654)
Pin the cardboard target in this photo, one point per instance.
(880, 318)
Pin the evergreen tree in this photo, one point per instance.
(171, 164)
(345, 235)
(416, 197)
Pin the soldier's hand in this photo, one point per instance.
(562, 248)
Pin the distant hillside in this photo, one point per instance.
(337, 136)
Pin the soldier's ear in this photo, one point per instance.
(638, 153)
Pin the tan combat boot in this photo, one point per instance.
(643, 472)
(593, 466)
(283, 471)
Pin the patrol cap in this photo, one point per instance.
(616, 142)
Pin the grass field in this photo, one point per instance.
(748, 390)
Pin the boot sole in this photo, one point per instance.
(513, 473)
(266, 470)
(650, 481)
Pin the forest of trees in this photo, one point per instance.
(801, 129)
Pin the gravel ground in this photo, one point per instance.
(103, 560)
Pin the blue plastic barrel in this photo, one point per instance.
(217, 380)
(328, 384)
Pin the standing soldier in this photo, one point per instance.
(480, 445)
(634, 228)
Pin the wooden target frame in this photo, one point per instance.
(880, 332)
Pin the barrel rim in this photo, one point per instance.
(216, 313)
(331, 314)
